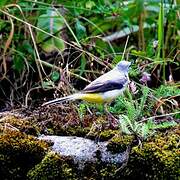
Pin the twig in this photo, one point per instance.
(58, 68)
(158, 116)
(7, 44)
(39, 29)
(125, 47)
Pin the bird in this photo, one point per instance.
(102, 90)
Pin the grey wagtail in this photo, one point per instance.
(104, 89)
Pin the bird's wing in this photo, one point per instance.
(114, 79)
(105, 86)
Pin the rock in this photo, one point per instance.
(84, 150)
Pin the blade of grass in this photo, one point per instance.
(161, 38)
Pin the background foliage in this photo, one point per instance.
(61, 46)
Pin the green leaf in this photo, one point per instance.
(139, 4)
(165, 125)
(160, 29)
(55, 76)
(138, 53)
(18, 63)
(117, 59)
(52, 23)
(125, 124)
(145, 130)
(80, 30)
(47, 84)
(27, 47)
(82, 110)
(90, 4)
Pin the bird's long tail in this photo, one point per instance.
(66, 98)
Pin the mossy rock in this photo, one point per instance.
(100, 171)
(120, 143)
(10, 123)
(71, 131)
(56, 167)
(158, 158)
(53, 166)
(19, 153)
(104, 135)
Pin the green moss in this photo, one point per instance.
(71, 131)
(108, 134)
(53, 166)
(19, 153)
(119, 143)
(99, 170)
(10, 123)
(158, 158)
(104, 135)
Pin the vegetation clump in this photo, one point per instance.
(9, 123)
(120, 143)
(100, 171)
(71, 131)
(19, 153)
(108, 134)
(158, 158)
(53, 166)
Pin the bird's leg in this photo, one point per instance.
(113, 122)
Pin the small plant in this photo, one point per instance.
(133, 122)
(142, 129)
(82, 111)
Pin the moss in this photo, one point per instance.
(10, 123)
(71, 131)
(119, 143)
(110, 171)
(99, 170)
(108, 134)
(19, 153)
(53, 166)
(104, 135)
(157, 159)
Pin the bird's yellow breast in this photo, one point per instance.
(93, 97)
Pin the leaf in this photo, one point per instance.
(124, 123)
(143, 100)
(90, 4)
(160, 29)
(26, 47)
(55, 76)
(82, 110)
(47, 84)
(52, 23)
(165, 125)
(80, 30)
(18, 63)
(117, 59)
(145, 130)
(138, 53)
(139, 4)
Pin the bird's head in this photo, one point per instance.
(123, 66)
